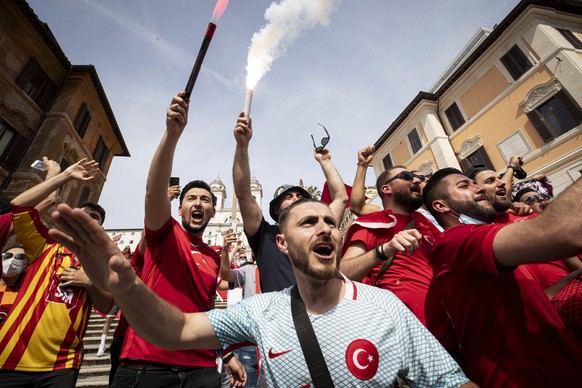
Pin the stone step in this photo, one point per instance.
(94, 376)
(91, 359)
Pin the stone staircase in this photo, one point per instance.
(95, 370)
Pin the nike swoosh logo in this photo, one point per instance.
(277, 354)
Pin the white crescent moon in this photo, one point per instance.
(355, 359)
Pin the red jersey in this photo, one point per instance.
(5, 224)
(547, 273)
(183, 270)
(510, 334)
(45, 328)
(409, 276)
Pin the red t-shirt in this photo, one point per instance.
(510, 334)
(409, 276)
(181, 269)
(547, 273)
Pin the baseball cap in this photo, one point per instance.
(278, 196)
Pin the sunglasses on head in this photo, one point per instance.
(536, 198)
(324, 140)
(407, 176)
(18, 256)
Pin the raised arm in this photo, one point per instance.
(358, 204)
(337, 189)
(83, 171)
(507, 177)
(554, 235)
(166, 326)
(241, 176)
(226, 256)
(157, 202)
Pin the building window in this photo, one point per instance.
(479, 157)
(36, 83)
(12, 145)
(387, 162)
(556, 116)
(455, 116)
(101, 152)
(516, 62)
(571, 38)
(82, 120)
(414, 140)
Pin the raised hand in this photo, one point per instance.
(83, 170)
(243, 130)
(177, 115)
(365, 155)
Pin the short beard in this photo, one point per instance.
(474, 210)
(501, 205)
(299, 259)
(406, 200)
(193, 230)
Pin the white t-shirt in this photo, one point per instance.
(366, 340)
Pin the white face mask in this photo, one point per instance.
(465, 219)
(13, 267)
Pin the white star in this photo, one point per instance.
(370, 358)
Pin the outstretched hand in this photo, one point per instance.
(102, 261)
(83, 170)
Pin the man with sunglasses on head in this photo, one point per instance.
(390, 249)
(275, 269)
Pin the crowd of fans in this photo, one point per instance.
(459, 279)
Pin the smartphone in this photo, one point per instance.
(38, 164)
(174, 181)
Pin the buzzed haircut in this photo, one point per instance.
(199, 185)
(284, 215)
(382, 178)
(436, 189)
(95, 207)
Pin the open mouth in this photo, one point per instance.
(197, 216)
(323, 249)
(501, 193)
(415, 189)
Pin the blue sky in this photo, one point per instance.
(354, 75)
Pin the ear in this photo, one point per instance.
(386, 189)
(440, 206)
(180, 210)
(213, 211)
(282, 243)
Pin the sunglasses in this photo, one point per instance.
(536, 198)
(9, 255)
(324, 140)
(407, 176)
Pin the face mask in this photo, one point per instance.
(465, 219)
(12, 267)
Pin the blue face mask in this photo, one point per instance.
(465, 219)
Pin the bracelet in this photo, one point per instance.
(512, 167)
(228, 357)
(380, 255)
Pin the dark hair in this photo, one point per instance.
(382, 178)
(435, 189)
(472, 171)
(198, 184)
(96, 207)
(284, 215)
(520, 193)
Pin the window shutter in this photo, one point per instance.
(540, 127)
(48, 94)
(15, 149)
(32, 67)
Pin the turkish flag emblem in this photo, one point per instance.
(362, 359)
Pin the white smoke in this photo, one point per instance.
(286, 20)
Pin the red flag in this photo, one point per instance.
(326, 194)
(116, 238)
